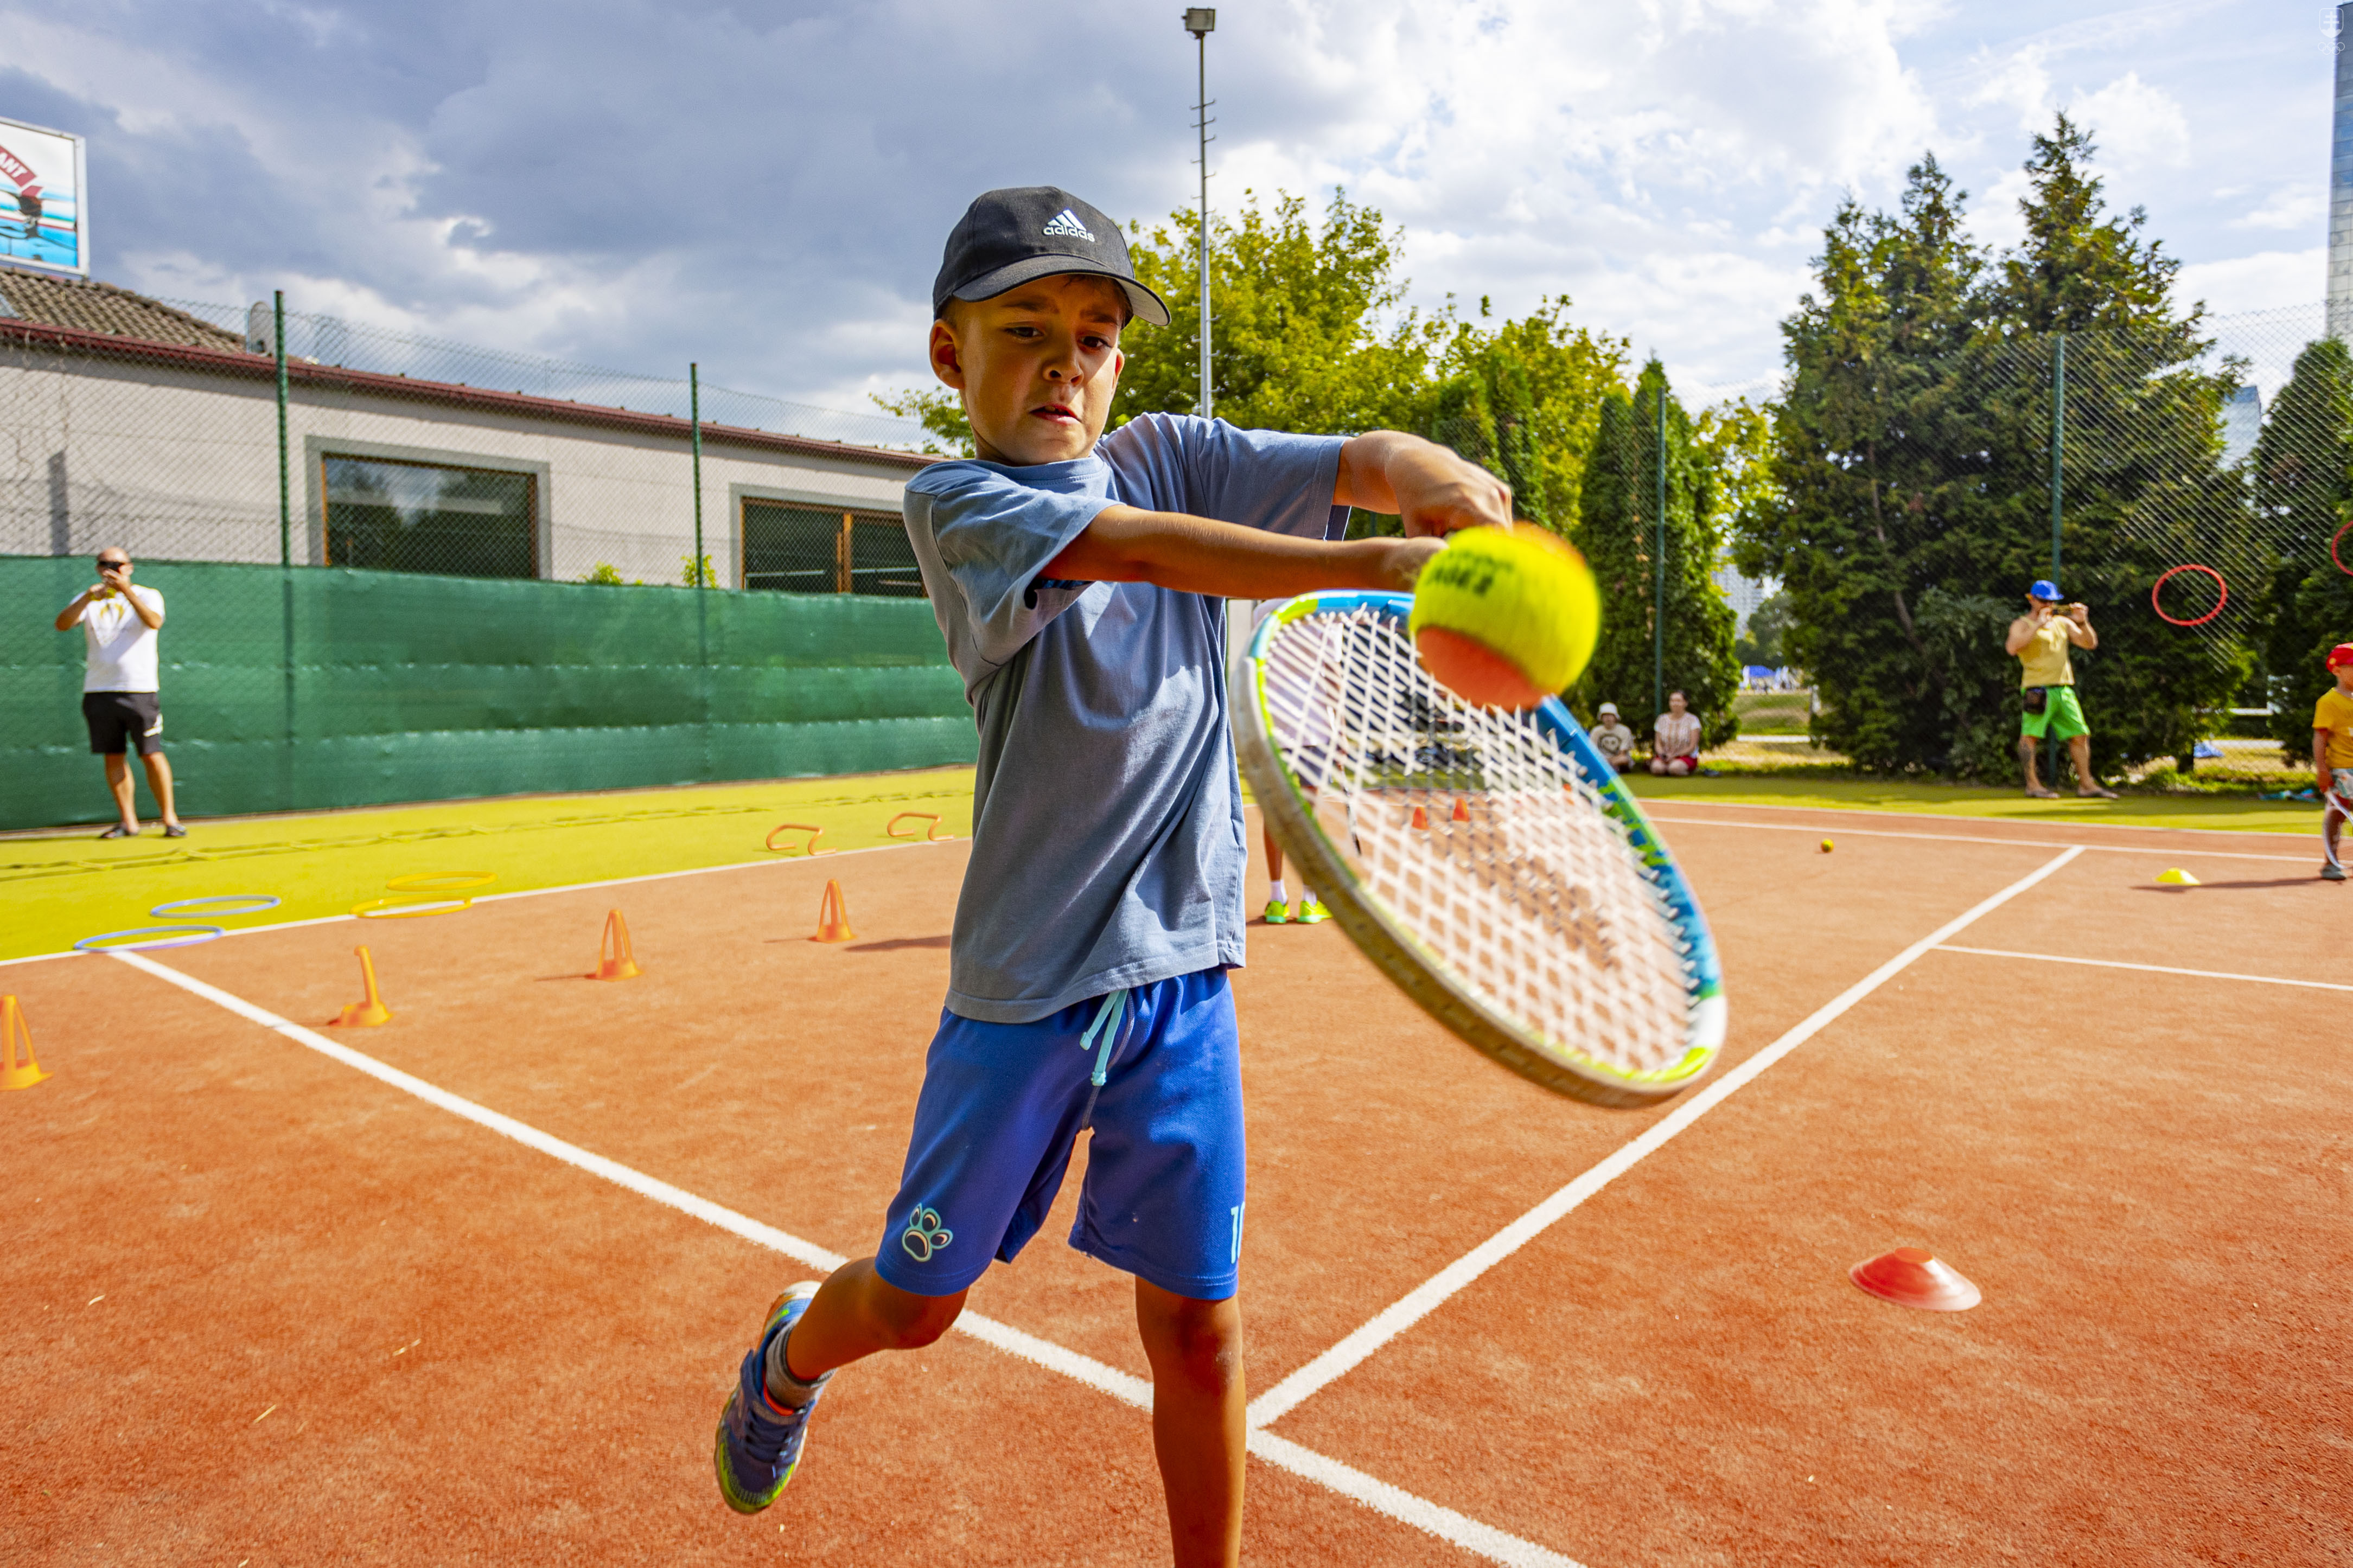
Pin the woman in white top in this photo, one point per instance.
(1675, 745)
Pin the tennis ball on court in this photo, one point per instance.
(1506, 618)
(1826, 846)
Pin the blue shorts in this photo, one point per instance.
(1003, 1104)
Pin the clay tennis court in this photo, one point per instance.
(266, 1306)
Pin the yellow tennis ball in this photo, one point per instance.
(1826, 846)
(1506, 618)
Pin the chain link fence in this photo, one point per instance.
(164, 428)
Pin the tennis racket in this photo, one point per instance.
(1489, 862)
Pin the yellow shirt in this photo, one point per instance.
(2045, 658)
(2333, 713)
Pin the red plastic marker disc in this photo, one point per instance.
(1911, 1277)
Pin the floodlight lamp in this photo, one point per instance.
(1201, 19)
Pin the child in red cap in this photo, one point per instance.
(2332, 756)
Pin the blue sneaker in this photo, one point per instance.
(759, 1444)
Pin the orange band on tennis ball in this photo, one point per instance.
(1506, 618)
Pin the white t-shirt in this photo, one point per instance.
(121, 646)
(1678, 737)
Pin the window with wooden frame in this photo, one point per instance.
(794, 547)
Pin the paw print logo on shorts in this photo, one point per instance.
(925, 1234)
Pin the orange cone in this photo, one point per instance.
(11, 1030)
(1462, 809)
(833, 917)
(621, 963)
(1420, 817)
(369, 1013)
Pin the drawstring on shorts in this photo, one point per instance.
(1106, 1024)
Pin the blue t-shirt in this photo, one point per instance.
(1107, 816)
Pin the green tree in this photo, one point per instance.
(1618, 530)
(1912, 455)
(2144, 484)
(2303, 476)
(1308, 329)
(1524, 399)
(1760, 642)
(940, 411)
(1877, 459)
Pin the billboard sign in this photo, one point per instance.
(44, 205)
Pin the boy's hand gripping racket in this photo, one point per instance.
(1488, 861)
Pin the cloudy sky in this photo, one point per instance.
(764, 185)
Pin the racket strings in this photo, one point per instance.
(1514, 878)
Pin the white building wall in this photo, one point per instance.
(177, 463)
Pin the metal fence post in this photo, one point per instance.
(2058, 443)
(1659, 562)
(285, 561)
(285, 488)
(694, 419)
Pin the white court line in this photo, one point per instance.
(1972, 838)
(2148, 968)
(1425, 1299)
(2059, 822)
(528, 893)
(1460, 1529)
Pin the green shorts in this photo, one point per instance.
(2061, 718)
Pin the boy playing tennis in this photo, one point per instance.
(1080, 586)
(2331, 758)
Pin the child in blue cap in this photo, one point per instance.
(1080, 581)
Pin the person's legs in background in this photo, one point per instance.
(159, 784)
(1278, 901)
(126, 793)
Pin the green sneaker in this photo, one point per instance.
(759, 1445)
(1276, 915)
(1312, 912)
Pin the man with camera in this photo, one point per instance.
(118, 703)
(2040, 640)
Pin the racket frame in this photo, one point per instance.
(1409, 963)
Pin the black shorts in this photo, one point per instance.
(116, 718)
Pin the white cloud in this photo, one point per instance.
(762, 184)
(2135, 125)
(2260, 282)
(2287, 206)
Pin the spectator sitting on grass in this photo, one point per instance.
(1674, 747)
(1616, 741)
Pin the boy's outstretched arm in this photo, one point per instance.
(1432, 490)
(1425, 485)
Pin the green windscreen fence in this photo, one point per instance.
(314, 688)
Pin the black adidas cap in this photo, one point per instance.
(1008, 237)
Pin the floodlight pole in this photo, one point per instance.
(1201, 21)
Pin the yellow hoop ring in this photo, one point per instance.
(409, 908)
(441, 881)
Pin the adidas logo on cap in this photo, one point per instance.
(1066, 226)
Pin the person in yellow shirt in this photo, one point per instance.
(2039, 640)
(2332, 756)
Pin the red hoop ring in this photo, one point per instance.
(2221, 587)
(2335, 540)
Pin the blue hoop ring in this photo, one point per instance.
(258, 903)
(88, 943)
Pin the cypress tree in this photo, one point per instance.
(1617, 531)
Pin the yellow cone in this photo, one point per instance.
(2174, 877)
